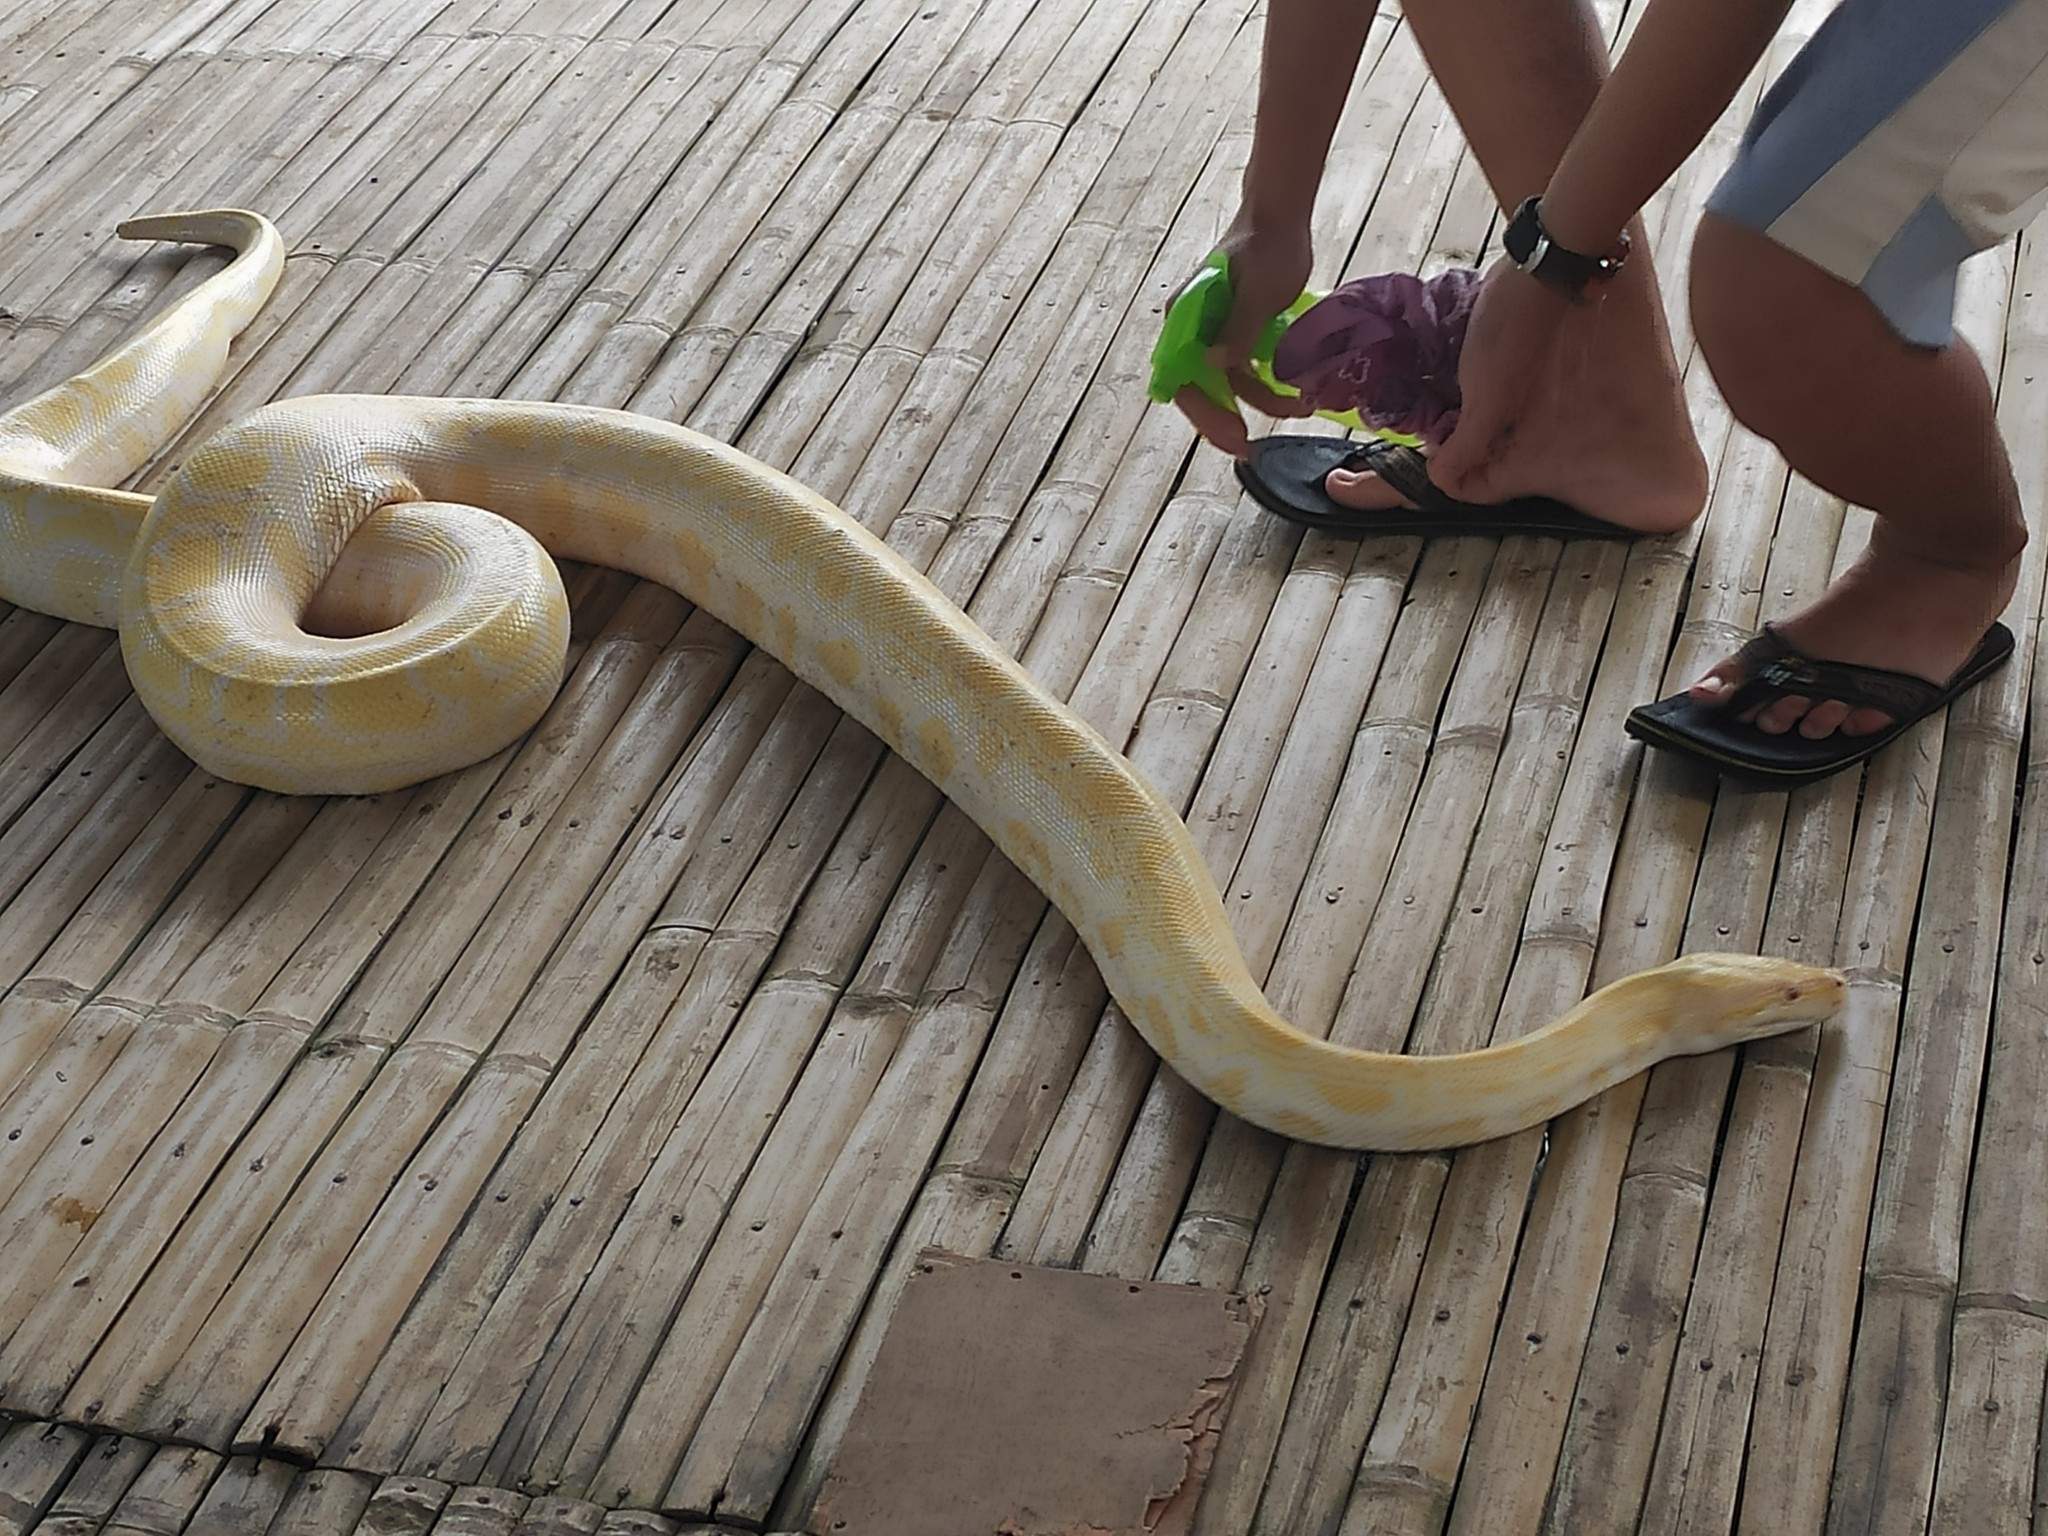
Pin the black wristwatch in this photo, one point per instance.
(1530, 247)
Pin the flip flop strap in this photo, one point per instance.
(1778, 668)
(1403, 468)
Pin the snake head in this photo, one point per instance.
(1751, 997)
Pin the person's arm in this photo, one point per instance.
(1677, 75)
(1310, 52)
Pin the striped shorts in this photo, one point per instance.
(1906, 136)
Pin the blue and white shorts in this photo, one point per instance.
(1906, 136)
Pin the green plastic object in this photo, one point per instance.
(1193, 319)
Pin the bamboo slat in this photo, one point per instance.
(225, 981)
(764, 1332)
(23, 635)
(35, 1461)
(97, 1483)
(1633, 1346)
(322, 1502)
(391, 992)
(92, 955)
(1174, 1116)
(1652, 1227)
(165, 1494)
(247, 1493)
(582, 1092)
(685, 1494)
(80, 219)
(480, 1512)
(58, 742)
(827, 1217)
(1897, 1383)
(635, 1522)
(443, 1045)
(601, 1352)
(100, 789)
(1988, 1467)
(505, 310)
(403, 1506)
(552, 1515)
(1481, 934)
(47, 679)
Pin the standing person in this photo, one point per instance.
(1906, 135)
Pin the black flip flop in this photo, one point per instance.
(1776, 668)
(1285, 476)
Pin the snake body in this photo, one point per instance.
(362, 512)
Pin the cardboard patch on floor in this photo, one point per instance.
(1013, 1401)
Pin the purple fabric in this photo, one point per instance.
(1386, 347)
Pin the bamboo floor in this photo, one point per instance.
(544, 1148)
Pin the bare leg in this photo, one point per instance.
(1613, 437)
(1806, 361)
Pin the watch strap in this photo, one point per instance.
(1529, 246)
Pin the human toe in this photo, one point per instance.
(1716, 685)
(1864, 722)
(1362, 490)
(1824, 719)
(1782, 714)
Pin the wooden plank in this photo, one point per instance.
(535, 1037)
(107, 1471)
(166, 1494)
(384, 1001)
(440, 1045)
(45, 680)
(551, 260)
(575, 1401)
(480, 1512)
(403, 1506)
(832, 1228)
(35, 1462)
(125, 751)
(247, 1494)
(205, 904)
(323, 1501)
(552, 1515)
(634, 1069)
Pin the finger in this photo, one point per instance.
(1242, 327)
(1223, 428)
(1255, 392)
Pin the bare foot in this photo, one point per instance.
(1606, 431)
(1889, 610)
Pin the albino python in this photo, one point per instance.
(442, 640)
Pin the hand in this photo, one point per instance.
(1267, 273)
(1525, 349)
